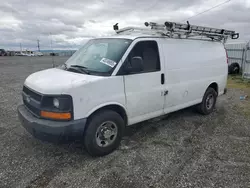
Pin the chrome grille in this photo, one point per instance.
(32, 101)
(32, 94)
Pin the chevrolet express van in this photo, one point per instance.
(114, 82)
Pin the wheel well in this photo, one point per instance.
(120, 110)
(232, 65)
(214, 86)
(235, 64)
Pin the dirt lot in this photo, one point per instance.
(183, 149)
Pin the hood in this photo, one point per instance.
(56, 81)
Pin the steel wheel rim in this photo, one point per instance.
(209, 101)
(106, 134)
(235, 69)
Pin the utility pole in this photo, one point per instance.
(38, 45)
(21, 50)
(53, 62)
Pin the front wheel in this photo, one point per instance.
(104, 132)
(208, 102)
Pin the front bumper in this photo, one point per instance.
(48, 130)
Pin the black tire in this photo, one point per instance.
(203, 107)
(234, 68)
(90, 141)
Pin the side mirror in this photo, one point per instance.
(136, 65)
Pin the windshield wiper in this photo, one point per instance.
(80, 68)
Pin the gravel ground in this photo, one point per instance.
(183, 149)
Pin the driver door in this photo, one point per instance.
(144, 89)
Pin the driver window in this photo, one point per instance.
(148, 51)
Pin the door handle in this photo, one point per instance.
(162, 78)
(164, 93)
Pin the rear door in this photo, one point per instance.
(144, 89)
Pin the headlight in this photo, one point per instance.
(56, 102)
(57, 107)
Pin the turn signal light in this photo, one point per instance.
(56, 115)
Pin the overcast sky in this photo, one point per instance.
(71, 23)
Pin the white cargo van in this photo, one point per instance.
(135, 75)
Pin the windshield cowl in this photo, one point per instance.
(81, 70)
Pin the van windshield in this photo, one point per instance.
(98, 56)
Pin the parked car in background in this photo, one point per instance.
(38, 54)
(20, 54)
(10, 53)
(3, 52)
(54, 54)
(30, 55)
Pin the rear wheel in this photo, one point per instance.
(104, 132)
(234, 68)
(208, 102)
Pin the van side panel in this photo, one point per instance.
(191, 66)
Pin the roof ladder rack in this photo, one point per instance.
(179, 30)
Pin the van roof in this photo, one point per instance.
(133, 36)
